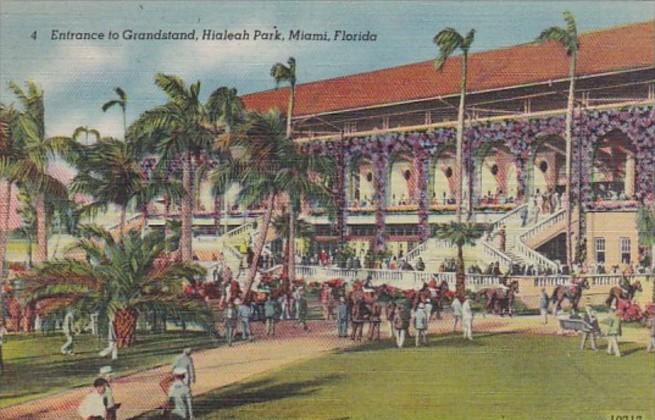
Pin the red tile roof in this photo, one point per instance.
(625, 47)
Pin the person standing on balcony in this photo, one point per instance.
(420, 265)
(502, 235)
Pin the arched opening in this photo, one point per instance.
(547, 167)
(614, 168)
(495, 179)
(361, 189)
(401, 181)
(444, 178)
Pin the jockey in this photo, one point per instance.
(504, 286)
(625, 285)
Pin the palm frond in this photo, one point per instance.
(447, 40)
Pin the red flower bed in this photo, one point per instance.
(628, 311)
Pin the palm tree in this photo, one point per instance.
(122, 103)
(302, 228)
(110, 172)
(182, 129)
(299, 176)
(227, 110)
(8, 117)
(282, 73)
(459, 235)
(120, 279)
(646, 229)
(257, 172)
(448, 40)
(568, 37)
(34, 152)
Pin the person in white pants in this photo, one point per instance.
(112, 347)
(457, 312)
(67, 326)
(467, 319)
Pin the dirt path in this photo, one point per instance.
(224, 365)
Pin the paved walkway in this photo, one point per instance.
(224, 365)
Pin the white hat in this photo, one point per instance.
(105, 370)
(179, 371)
(187, 350)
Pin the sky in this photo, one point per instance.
(79, 76)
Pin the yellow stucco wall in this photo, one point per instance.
(612, 226)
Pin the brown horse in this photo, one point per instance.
(499, 300)
(571, 292)
(619, 293)
(359, 314)
(374, 320)
(438, 298)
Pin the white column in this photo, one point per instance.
(630, 170)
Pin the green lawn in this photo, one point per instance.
(502, 376)
(34, 367)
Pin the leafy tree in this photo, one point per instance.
(448, 41)
(282, 73)
(33, 152)
(8, 116)
(109, 171)
(303, 176)
(256, 170)
(459, 235)
(567, 36)
(183, 129)
(121, 279)
(121, 102)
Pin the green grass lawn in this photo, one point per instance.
(502, 376)
(34, 367)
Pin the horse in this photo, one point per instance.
(619, 293)
(438, 298)
(374, 319)
(571, 292)
(359, 314)
(499, 300)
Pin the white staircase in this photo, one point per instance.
(519, 243)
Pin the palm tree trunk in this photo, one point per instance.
(121, 225)
(292, 244)
(125, 326)
(460, 286)
(186, 212)
(292, 100)
(460, 141)
(5, 208)
(41, 230)
(569, 144)
(217, 213)
(261, 240)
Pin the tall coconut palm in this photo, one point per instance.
(8, 115)
(282, 73)
(460, 235)
(304, 176)
(448, 41)
(110, 172)
(257, 173)
(120, 102)
(34, 153)
(120, 279)
(567, 36)
(227, 110)
(182, 129)
(646, 228)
